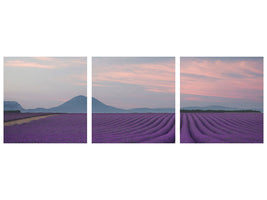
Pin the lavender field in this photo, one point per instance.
(221, 128)
(133, 128)
(62, 128)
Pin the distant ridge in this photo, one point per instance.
(99, 107)
(212, 107)
(12, 106)
(215, 108)
(77, 104)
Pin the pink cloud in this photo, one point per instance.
(218, 68)
(45, 58)
(237, 79)
(47, 62)
(17, 63)
(193, 99)
(153, 77)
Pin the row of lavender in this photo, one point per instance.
(140, 127)
(221, 128)
(133, 128)
(62, 128)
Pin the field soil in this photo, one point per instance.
(26, 120)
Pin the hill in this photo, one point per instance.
(99, 107)
(214, 108)
(77, 104)
(12, 106)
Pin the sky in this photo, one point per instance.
(227, 81)
(134, 82)
(44, 81)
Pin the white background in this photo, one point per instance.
(132, 171)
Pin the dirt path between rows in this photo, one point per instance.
(26, 120)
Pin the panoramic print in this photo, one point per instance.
(45, 100)
(133, 100)
(221, 100)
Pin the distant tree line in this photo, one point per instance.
(12, 111)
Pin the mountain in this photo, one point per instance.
(99, 107)
(77, 104)
(213, 107)
(12, 106)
